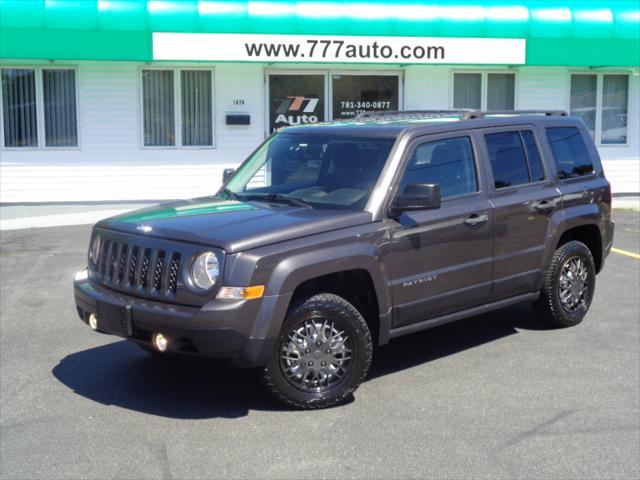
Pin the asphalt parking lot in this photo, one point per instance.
(494, 396)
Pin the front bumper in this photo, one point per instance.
(220, 329)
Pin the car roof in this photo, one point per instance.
(395, 123)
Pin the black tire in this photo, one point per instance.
(335, 315)
(550, 307)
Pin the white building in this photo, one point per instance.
(147, 100)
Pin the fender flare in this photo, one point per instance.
(298, 268)
(566, 219)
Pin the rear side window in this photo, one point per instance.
(448, 162)
(514, 157)
(570, 152)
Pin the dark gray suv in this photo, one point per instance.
(332, 238)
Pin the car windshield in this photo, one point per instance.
(321, 171)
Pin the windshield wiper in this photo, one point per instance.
(229, 193)
(277, 197)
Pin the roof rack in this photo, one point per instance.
(464, 114)
(546, 113)
(415, 113)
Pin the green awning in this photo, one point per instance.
(569, 32)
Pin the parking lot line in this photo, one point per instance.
(626, 253)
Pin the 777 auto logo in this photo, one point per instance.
(296, 110)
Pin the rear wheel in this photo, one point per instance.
(569, 286)
(323, 353)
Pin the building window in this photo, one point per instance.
(158, 108)
(484, 91)
(60, 119)
(615, 99)
(19, 107)
(177, 108)
(30, 120)
(501, 91)
(602, 100)
(467, 90)
(197, 126)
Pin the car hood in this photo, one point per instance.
(231, 225)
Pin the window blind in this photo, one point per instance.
(583, 100)
(615, 98)
(19, 107)
(501, 91)
(195, 86)
(467, 90)
(158, 108)
(60, 120)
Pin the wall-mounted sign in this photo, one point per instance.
(341, 49)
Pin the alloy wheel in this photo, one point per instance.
(315, 355)
(574, 284)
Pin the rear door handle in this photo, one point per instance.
(546, 206)
(476, 219)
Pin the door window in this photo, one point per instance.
(514, 157)
(448, 162)
(533, 155)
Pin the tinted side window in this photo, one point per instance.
(533, 155)
(448, 162)
(508, 160)
(570, 152)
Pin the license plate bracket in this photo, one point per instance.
(115, 319)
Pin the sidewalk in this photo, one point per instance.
(39, 216)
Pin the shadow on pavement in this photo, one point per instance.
(428, 345)
(123, 375)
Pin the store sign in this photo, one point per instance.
(337, 49)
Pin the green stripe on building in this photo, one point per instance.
(567, 33)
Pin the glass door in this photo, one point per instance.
(295, 99)
(355, 93)
(299, 97)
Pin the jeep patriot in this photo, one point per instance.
(333, 238)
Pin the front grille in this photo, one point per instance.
(142, 271)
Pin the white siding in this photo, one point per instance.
(111, 165)
(426, 88)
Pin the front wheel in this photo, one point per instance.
(568, 287)
(322, 355)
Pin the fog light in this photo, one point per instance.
(160, 342)
(81, 275)
(93, 321)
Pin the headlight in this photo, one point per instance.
(205, 270)
(94, 252)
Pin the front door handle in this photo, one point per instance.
(546, 206)
(476, 220)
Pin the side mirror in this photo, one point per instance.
(419, 196)
(227, 173)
